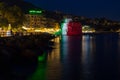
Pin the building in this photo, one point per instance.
(70, 27)
(35, 19)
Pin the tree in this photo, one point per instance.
(15, 16)
(3, 22)
(11, 15)
(2, 9)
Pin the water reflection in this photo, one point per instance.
(88, 49)
(39, 73)
(53, 62)
(105, 63)
(40, 70)
(87, 57)
(70, 57)
(10, 71)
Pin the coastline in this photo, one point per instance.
(25, 49)
(100, 32)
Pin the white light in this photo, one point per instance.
(65, 26)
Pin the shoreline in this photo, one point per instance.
(27, 48)
(101, 32)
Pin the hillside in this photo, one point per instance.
(25, 6)
(58, 16)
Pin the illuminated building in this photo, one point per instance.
(87, 29)
(64, 26)
(70, 27)
(35, 19)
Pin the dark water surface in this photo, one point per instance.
(87, 57)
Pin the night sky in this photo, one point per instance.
(88, 8)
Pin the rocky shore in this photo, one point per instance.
(24, 48)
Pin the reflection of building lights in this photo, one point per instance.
(87, 47)
(42, 57)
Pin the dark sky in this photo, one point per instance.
(89, 8)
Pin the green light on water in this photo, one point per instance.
(40, 72)
(42, 57)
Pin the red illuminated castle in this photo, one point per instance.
(71, 27)
(74, 28)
